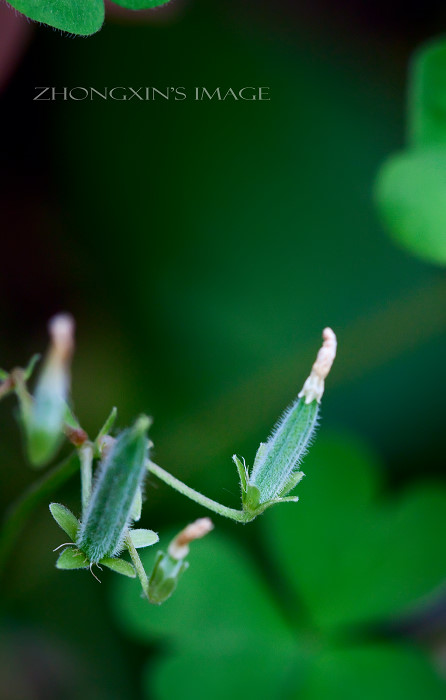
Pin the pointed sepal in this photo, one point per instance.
(143, 538)
(120, 566)
(72, 558)
(65, 519)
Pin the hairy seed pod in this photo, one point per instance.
(119, 478)
(275, 467)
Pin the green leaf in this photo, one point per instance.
(4, 374)
(143, 538)
(221, 605)
(263, 672)
(411, 197)
(387, 672)
(140, 4)
(72, 558)
(350, 557)
(120, 566)
(75, 16)
(427, 95)
(65, 519)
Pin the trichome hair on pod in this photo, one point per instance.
(118, 480)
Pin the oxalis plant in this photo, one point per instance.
(113, 470)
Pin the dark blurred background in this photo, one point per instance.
(202, 247)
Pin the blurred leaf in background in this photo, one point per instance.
(351, 557)
(411, 187)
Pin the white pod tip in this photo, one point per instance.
(61, 329)
(314, 385)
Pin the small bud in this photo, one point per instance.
(169, 567)
(44, 416)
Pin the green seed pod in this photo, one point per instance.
(170, 566)
(119, 478)
(44, 415)
(274, 472)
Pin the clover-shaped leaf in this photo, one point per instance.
(411, 195)
(350, 558)
(384, 671)
(411, 186)
(354, 558)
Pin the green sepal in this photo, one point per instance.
(107, 427)
(143, 538)
(120, 566)
(135, 514)
(251, 499)
(29, 369)
(242, 472)
(72, 558)
(164, 577)
(292, 482)
(4, 374)
(70, 419)
(65, 519)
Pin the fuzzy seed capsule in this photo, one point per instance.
(111, 506)
(275, 466)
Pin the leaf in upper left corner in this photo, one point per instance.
(81, 17)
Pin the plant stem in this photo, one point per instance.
(86, 459)
(238, 515)
(20, 511)
(137, 563)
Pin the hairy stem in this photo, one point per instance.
(137, 563)
(238, 515)
(20, 511)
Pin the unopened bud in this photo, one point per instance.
(170, 566)
(45, 420)
(179, 547)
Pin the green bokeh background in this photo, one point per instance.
(202, 247)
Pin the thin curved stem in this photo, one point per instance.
(137, 563)
(238, 515)
(20, 511)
